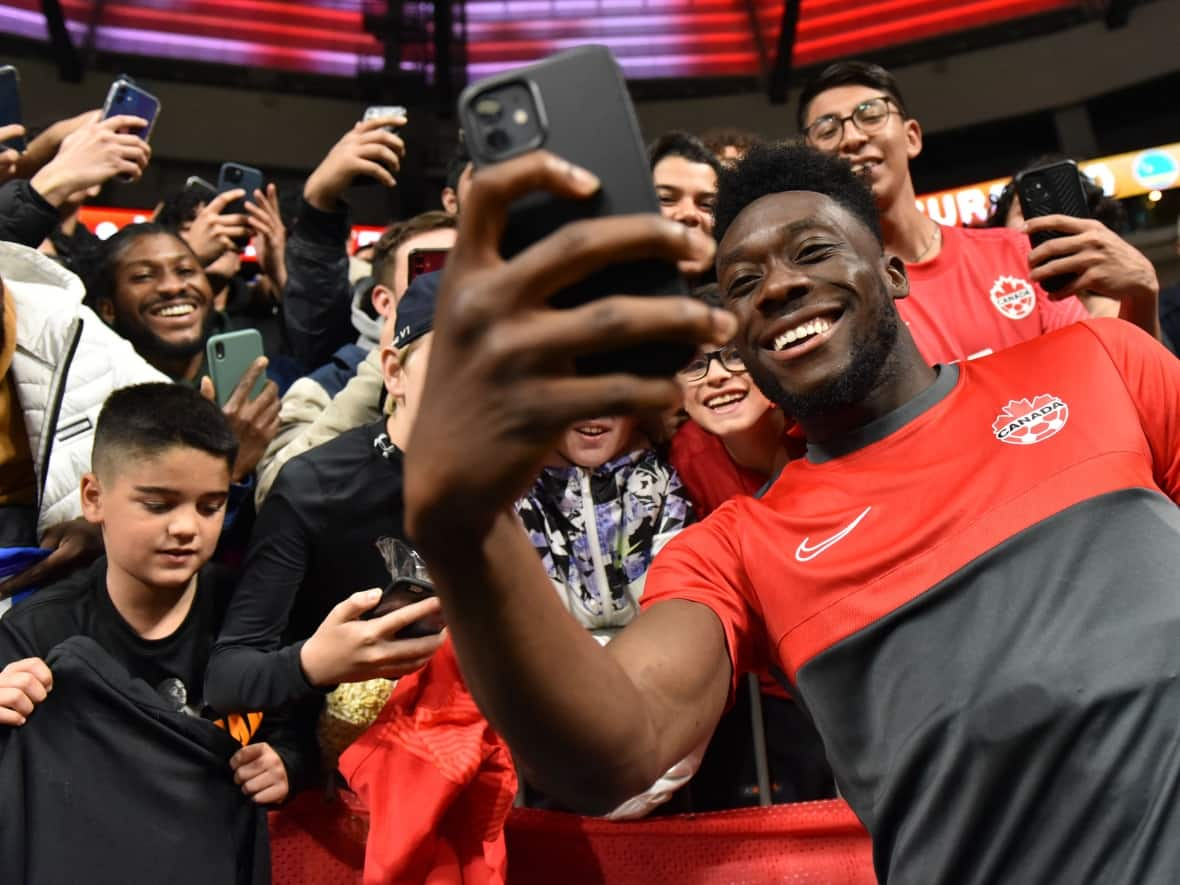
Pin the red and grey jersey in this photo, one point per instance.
(975, 298)
(976, 598)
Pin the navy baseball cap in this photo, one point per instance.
(415, 312)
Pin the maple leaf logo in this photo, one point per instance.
(1027, 421)
(1013, 297)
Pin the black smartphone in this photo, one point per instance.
(575, 104)
(127, 97)
(232, 176)
(425, 261)
(200, 187)
(10, 111)
(403, 591)
(1053, 189)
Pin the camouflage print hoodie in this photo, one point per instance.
(597, 532)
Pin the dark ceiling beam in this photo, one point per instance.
(69, 66)
(780, 72)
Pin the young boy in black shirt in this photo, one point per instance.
(161, 475)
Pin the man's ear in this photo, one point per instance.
(383, 300)
(896, 278)
(106, 310)
(91, 498)
(391, 372)
(913, 138)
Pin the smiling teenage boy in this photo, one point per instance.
(160, 480)
(972, 291)
(943, 578)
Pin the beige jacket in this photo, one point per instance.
(308, 417)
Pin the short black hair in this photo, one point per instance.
(682, 144)
(848, 73)
(147, 419)
(180, 208)
(772, 169)
(100, 283)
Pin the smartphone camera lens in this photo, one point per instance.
(219, 350)
(121, 95)
(498, 140)
(234, 175)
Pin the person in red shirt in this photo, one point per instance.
(972, 292)
(969, 580)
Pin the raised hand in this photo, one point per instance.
(368, 149)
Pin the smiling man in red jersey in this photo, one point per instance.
(969, 580)
(972, 292)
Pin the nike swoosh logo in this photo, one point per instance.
(806, 553)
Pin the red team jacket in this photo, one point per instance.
(976, 598)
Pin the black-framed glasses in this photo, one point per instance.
(698, 367)
(869, 117)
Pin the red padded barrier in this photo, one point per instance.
(811, 843)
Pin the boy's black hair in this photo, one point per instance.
(682, 144)
(848, 73)
(101, 281)
(772, 169)
(145, 419)
(180, 209)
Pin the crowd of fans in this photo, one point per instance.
(230, 556)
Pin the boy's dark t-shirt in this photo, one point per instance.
(80, 605)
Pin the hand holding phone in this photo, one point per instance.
(386, 112)
(1052, 189)
(126, 98)
(229, 357)
(346, 647)
(235, 176)
(366, 150)
(575, 104)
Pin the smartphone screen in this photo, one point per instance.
(425, 261)
(10, 110)
(125, 97)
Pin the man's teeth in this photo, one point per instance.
(591, 431)
(718, 402)
(814, 327)
(175, 310)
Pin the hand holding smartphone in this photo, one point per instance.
(234, 176)
(1053, 189)
(125, 97)
(228, 356)
(575, 104)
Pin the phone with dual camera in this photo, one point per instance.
(127, 97)
(575, 104)
(234, 176)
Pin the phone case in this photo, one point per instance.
(228, 356)
(1055, 189)
(232, 176)
(10, 108)
(126, 97)
(588, 119)
(425, 261)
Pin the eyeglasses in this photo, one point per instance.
(698, 367)
(827, 133)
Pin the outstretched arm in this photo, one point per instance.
(591, 726)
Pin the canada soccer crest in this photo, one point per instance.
(1013, 297)
(1026, 421)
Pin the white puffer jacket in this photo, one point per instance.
(67, 362)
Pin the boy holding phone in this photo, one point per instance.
(154, 603)
(316, 542)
